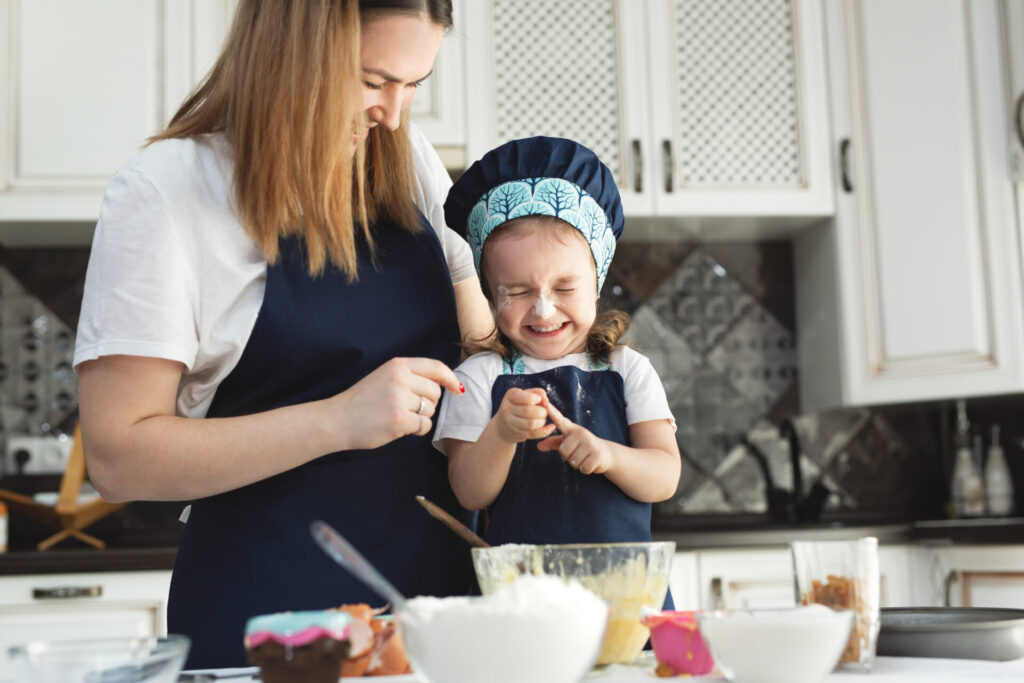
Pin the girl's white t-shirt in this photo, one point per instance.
(173, 274)
(464, 416)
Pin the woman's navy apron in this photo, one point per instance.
(546, 500)
(249, 551)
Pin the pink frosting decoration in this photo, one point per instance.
(297, 639)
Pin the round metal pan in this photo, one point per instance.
(952, 633)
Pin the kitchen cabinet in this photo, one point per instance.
(914, 291)
(438, 108)
(83, 86)
(761, 578)
(978, 576)
(1013, 26)
(746, 579)
(81, 605)
(701, 109)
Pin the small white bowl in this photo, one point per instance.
(795, 645)
(537, 629)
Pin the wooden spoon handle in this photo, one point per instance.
(455, 525)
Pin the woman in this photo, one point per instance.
(265, 265)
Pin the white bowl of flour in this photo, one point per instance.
(538, 629)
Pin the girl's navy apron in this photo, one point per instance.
(249, 551)
(545, 500)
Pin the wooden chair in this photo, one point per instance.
(68, 515)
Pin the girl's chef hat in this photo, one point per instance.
(538, 176)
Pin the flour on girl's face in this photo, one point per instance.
(506, 297)
(544, 308)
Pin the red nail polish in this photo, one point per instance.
(462, 389)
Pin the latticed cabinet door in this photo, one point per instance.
(739, 106)
(700, 107)
(572, 68)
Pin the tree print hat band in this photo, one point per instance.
(538, 176)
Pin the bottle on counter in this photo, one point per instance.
(998, 482)
(966, 488)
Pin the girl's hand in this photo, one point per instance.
(397, 399)
(577, 445)
(521, 416)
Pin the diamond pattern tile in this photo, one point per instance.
(700, 301)
(38, 387)
(758, 356)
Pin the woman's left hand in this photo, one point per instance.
(577, 445)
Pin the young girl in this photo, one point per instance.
(562, 434)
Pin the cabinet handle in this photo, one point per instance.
(1019, 118)
(947, 587)
(66, 592)
(638, 167)
(666, 159)
(717, 601)
(844, 164)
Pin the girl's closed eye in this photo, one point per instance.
(373, 86)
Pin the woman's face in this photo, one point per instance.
(544, 287)
(398, 52)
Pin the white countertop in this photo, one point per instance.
(886, 670)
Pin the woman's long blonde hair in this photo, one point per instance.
(286, 91)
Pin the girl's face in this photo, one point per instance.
(544, 287)
(397, 54)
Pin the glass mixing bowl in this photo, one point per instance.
(100, 660)
(627, 576)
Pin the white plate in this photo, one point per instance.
(402, 678)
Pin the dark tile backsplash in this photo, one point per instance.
(718, 322)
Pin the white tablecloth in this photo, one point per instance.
(886, 670)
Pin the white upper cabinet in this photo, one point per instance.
(915, 292)
(699, 107)
(439, 105)
(83, 85)
(1013, 24)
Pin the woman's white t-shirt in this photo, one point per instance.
(173, 274)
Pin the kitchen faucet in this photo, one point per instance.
(783, 505)
(807, 508)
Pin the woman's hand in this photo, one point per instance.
(522, 416)
(397, 399)
(577, 445)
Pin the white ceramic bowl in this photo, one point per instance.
(795, 645)
(538, 629)
(100, 660)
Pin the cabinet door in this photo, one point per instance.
(746, 579)
(83, 86)
(921, 267)
(1013, 26)
(740, 108)
(439, 104)
(67, 606)
(564, 69)
(683, 581)
(980, 576)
